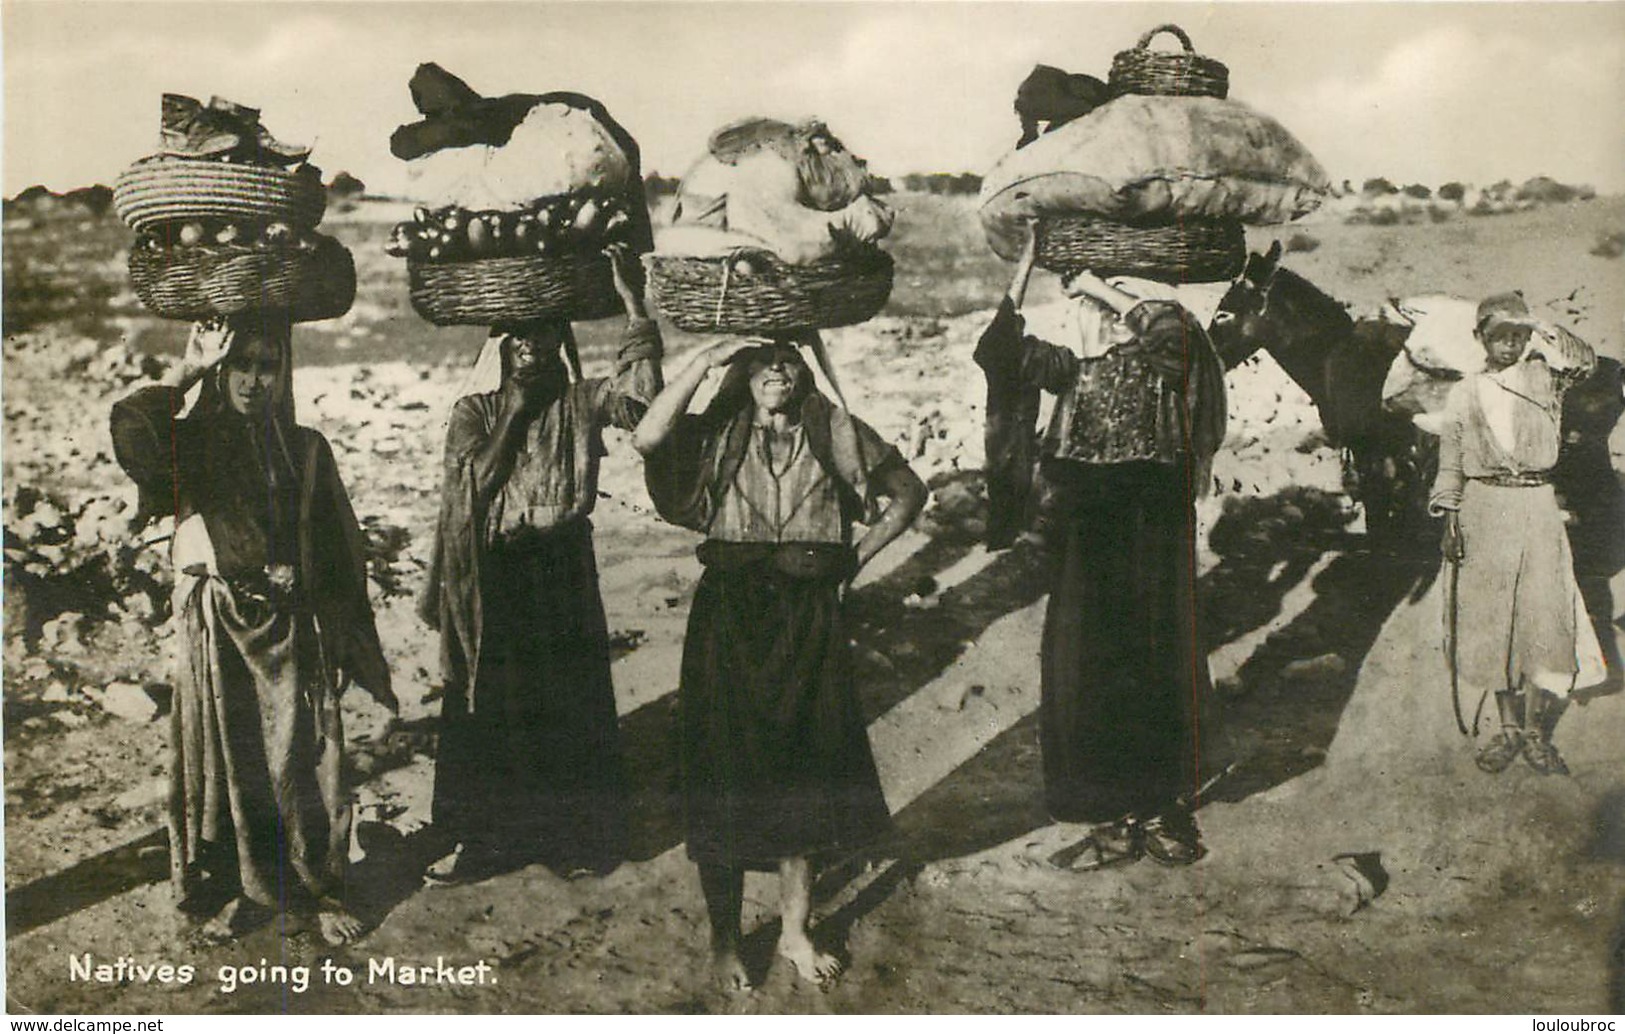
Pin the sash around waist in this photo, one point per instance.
(817, 561)
(1518, 479)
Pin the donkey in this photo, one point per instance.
(1340, 363)
(1388, 464)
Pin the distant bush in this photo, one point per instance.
(1452, 191)
(346, 185)
(1378, 187)
(1417, 191)
(1544, 188)
(942, 183)
(1301, 242)
(879, 185)
(1610, 245)
(1439, 215)
(1380, 216)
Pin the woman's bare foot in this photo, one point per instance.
(338, 926)
(729, 969)
(235, 919)
(816, 967)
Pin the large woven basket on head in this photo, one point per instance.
(756, 292)
(1173, 73)
(207, 280)
(162, 189)
(1186, 251)
(514, 289)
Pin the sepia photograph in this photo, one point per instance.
(676, 507)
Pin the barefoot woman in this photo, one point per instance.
(270, 603)
(776, 764)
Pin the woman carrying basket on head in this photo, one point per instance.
(775, 758)
(1123, 675)
(529, 765)
(273, 621)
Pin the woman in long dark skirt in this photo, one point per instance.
(529, 765)
(273, 622)
(1137, 420)
(776, 765)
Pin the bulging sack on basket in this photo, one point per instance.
(555, 149)
(793, 190)
(1150, 158)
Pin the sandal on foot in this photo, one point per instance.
(1119, 843)
(1173, 839)
(1543, 756)
(1500, 752)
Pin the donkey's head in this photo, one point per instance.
(1238, 327)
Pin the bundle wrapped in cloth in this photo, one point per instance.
(225, 218)
(773, 230)
(1152, 184)
(520, 196)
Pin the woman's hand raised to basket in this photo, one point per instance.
(620, 266)
(208, 343)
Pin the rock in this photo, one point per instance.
(1327, 665)
(128, 701)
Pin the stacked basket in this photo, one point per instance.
(218, 237)
(1158, 181)
(743, 279)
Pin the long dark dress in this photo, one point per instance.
(257, 804)
(1123, 670)
(775, 753)
(529, 763)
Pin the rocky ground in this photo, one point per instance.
(1330, 714)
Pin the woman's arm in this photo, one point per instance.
(490, 455)
(622, 399)
(669, 406)
(907, 495)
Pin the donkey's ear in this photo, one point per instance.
(1272, 256)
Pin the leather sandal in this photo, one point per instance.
(1542, 755)
(1500, 752)
(1173, 839)
(1105, 847)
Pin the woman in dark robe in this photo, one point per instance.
(529, 765)
(775, 758)
(270, 602)
(1130, 442)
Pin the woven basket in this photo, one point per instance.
(510, 290)
(204, 281)
(710, 295)
(1171, 73)
(162, 189)
(1189, 251)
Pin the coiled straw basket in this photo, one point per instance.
(207, 280)
(163, 189)
(513, 289)
(713, 295)
(1185, 251)
(1173, 73)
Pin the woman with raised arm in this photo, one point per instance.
(529, 765)
(273, 621)
(776, 765)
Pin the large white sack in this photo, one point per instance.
(754, 202)
(555, 150)
(1141, 157)
(1438, 352)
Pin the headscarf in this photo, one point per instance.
(490, 369)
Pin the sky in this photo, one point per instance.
(1423, 93)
